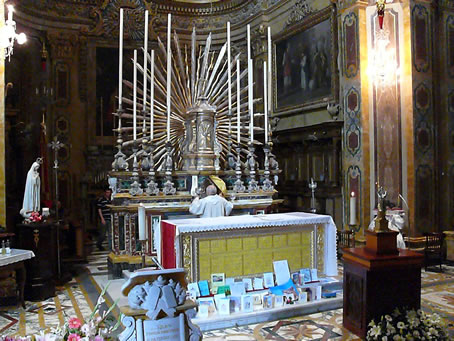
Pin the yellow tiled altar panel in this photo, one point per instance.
(294, 239)
(265, 242)
(247, 255)
(217, 246)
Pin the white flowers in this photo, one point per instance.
(407, 325)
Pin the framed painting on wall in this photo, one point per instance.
(305, 63)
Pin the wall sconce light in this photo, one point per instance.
(383, 66)
(8, 34)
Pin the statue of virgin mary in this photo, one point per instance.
(32, 191)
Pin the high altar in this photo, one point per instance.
(247, 245)
(196, 120)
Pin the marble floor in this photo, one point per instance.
(78, 297)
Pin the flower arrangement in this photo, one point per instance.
(35, 217)
(95, 328)
(408, 325)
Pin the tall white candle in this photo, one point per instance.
(250, 96)
(169, 73)
(250, 80)
(142, 222)
(120, 60)
(352, 209)
(134, 98)
(229, 79)
(145, 60)
(152, 96)
(10, 12)
(238, 99)
(265, 100)
(248, 29)
(270, 94)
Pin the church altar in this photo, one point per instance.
(248, 244)
(182, 127)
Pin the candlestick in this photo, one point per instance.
(152, 96)
(352, 209)
(134, 97)
(169, 74)
(142, 222)
(145, 59)
(265, 101)
(238, 100)
(229, 79)
(120, 61)
(313, 186)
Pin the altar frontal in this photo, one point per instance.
(247, 245)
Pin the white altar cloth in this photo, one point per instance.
(16, 255)
(264, 220)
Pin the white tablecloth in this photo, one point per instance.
(15, 256)
(279, 219)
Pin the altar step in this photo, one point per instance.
(265, 315)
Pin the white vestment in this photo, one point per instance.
(32, 198)
(211, 206)
(395, 223)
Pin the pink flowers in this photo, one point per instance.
(73, 337)
(74, 323)
(35, 217)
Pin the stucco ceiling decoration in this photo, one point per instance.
(100, 17)
(299, 11)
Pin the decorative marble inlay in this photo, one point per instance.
(350, 45)
(450, 45)
(422, 97)
(425, 200)
(423, 136)
(451, 101)
(422, 49)
(353, 140)
(352, 122)
(352, 100)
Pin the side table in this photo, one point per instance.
(15, 262)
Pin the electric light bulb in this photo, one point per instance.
(21, 38)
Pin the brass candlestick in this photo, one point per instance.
(143, 244)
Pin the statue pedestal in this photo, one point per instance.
(382, 242)
(374, 285)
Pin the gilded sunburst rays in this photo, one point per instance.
(197, 72)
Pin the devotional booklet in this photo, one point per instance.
(281, 271)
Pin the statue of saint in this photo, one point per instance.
(32, 191)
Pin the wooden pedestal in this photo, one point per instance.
(42, 269)
(375, 284)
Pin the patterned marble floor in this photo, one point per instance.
(77, 298)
